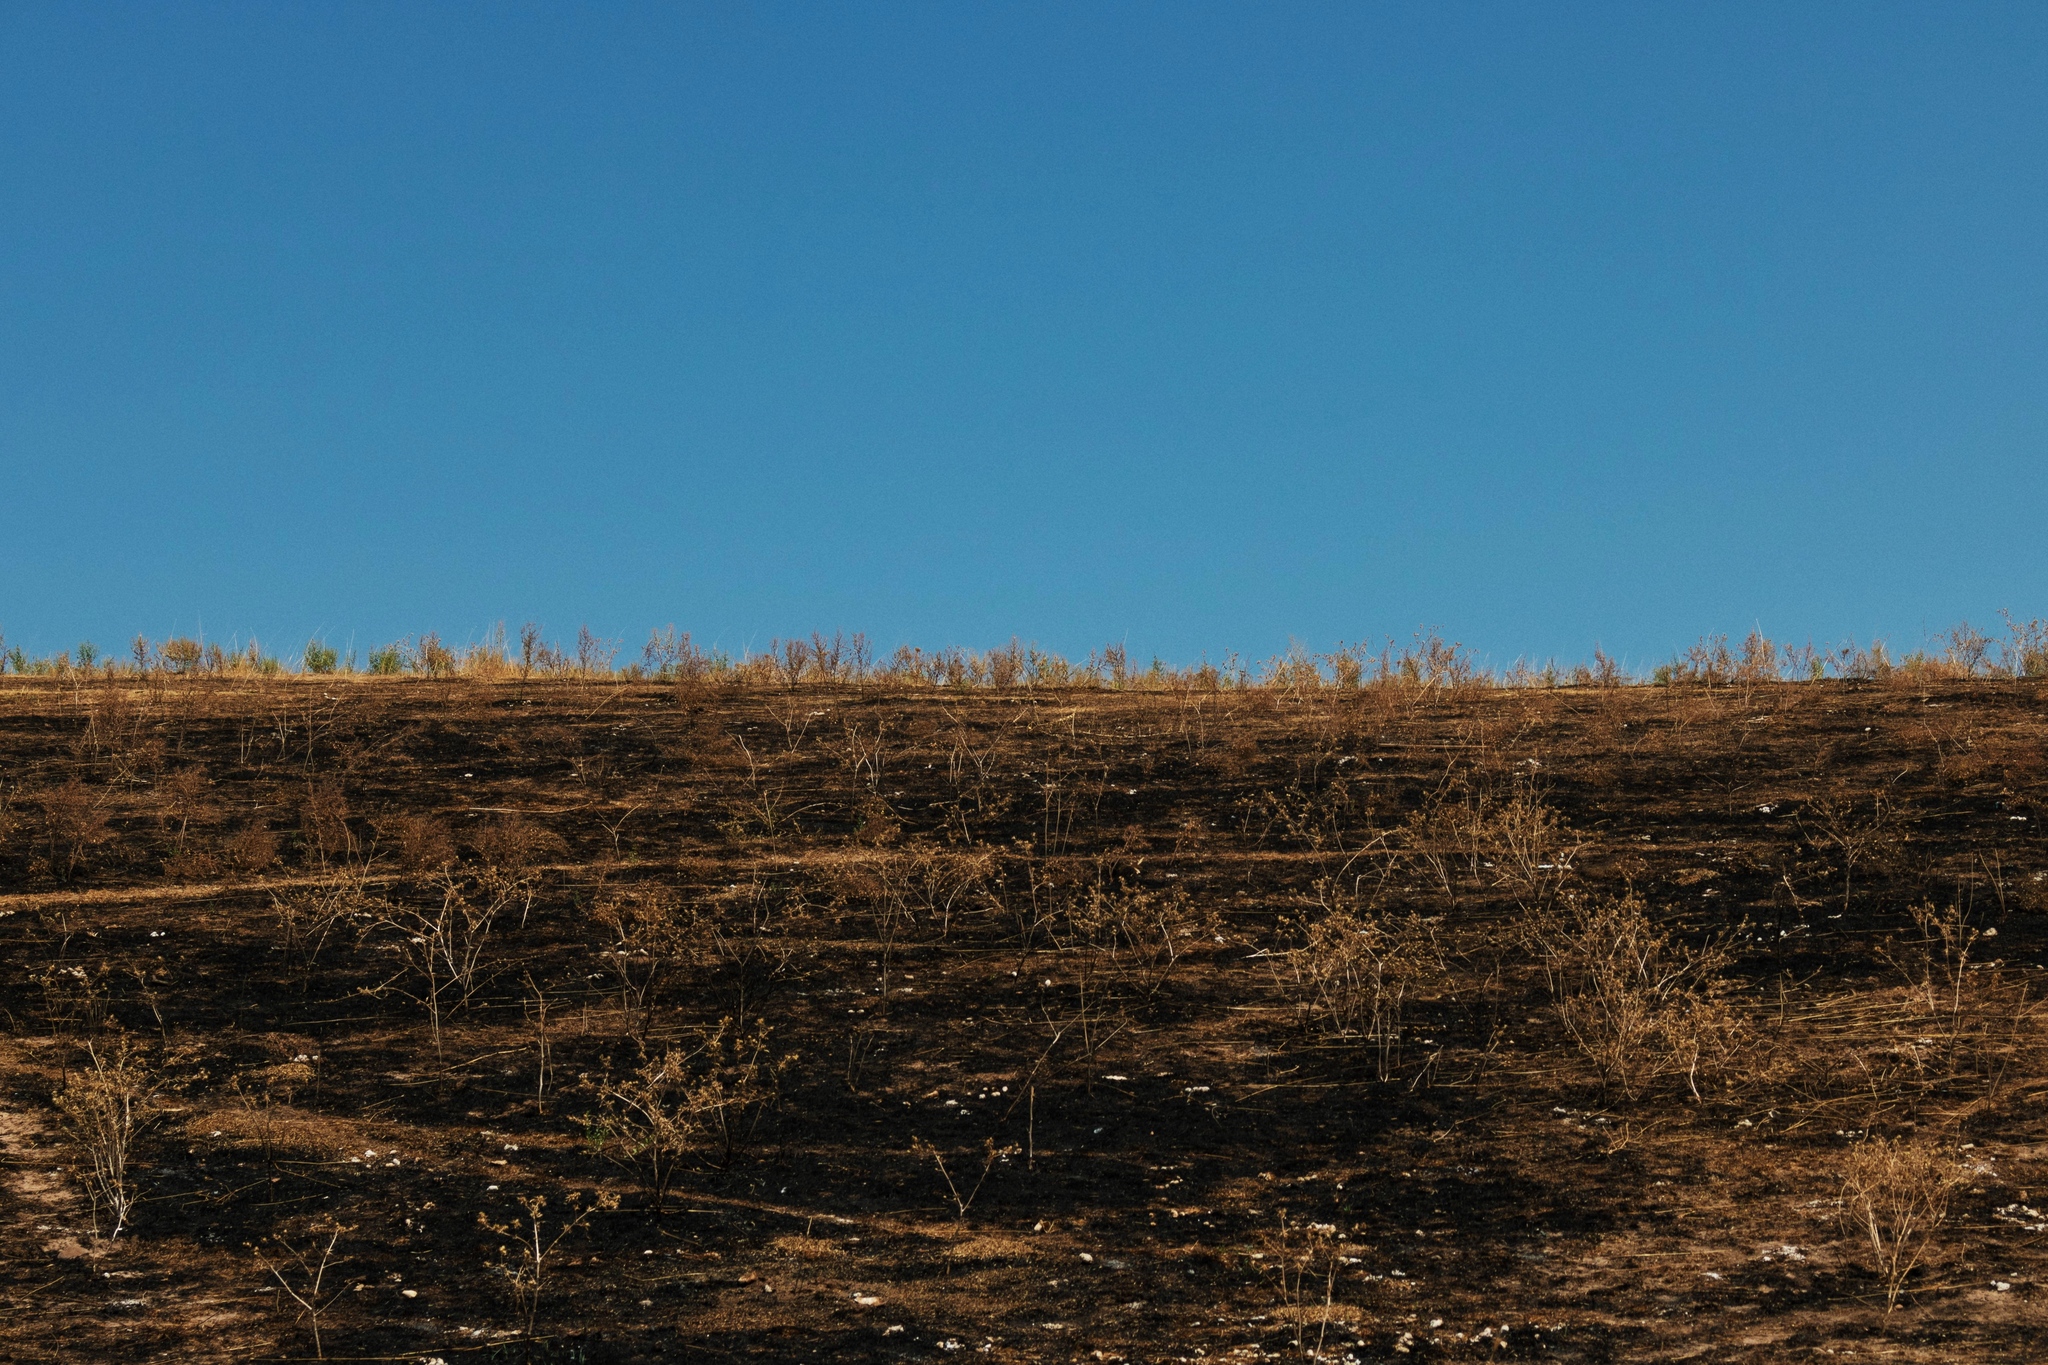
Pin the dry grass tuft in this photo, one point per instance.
(281, 1130)
(804, 1248)
(991, 1247)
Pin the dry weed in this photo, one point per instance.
(682, 1101)
(525, 1273)
(992, 1156)
(105, 1106)
(1637, 1004)
(312, 1262)
(1895, 1196)
(1356, 972)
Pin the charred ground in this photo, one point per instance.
(1244, 1023)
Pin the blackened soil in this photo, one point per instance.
(1039, 955)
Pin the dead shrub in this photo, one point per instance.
(1863, 833)
(428, 657)
(1938, 963)
(312, 1262)
(866, 1041)
(1303, 1259)
(1118, 942)
(764, 809)
(1637, 1004)
(193, 865)
(74, 824)
(514, 845)
(440, 942)
(878, 883)
(1324, 820)
(865, 753)
(875, 823)
(740, 941)
(118, 731)
(685, 1102)
(324, 823)
(183, 798)
(251, 850)
(181, 655)
(1356, 972)
(1134, 934)
(795, 715)
(1436, 837)
(75, 997)
(306, 919)
(916, 888)
(525, 1273)
(647, 935)
(423, 843)
(1975, 1008)
(991, 1157)
(1526, 843)
(105, 1105)
(265, 1094)
(1895, 1197)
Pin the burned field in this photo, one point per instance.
(614, 1021)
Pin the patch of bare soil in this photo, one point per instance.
(42, 1208)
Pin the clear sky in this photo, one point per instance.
(1195, 327)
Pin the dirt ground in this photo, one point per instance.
(1243, 1025)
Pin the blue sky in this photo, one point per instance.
(1196, 327)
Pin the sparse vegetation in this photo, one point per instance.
(1370, 1004)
